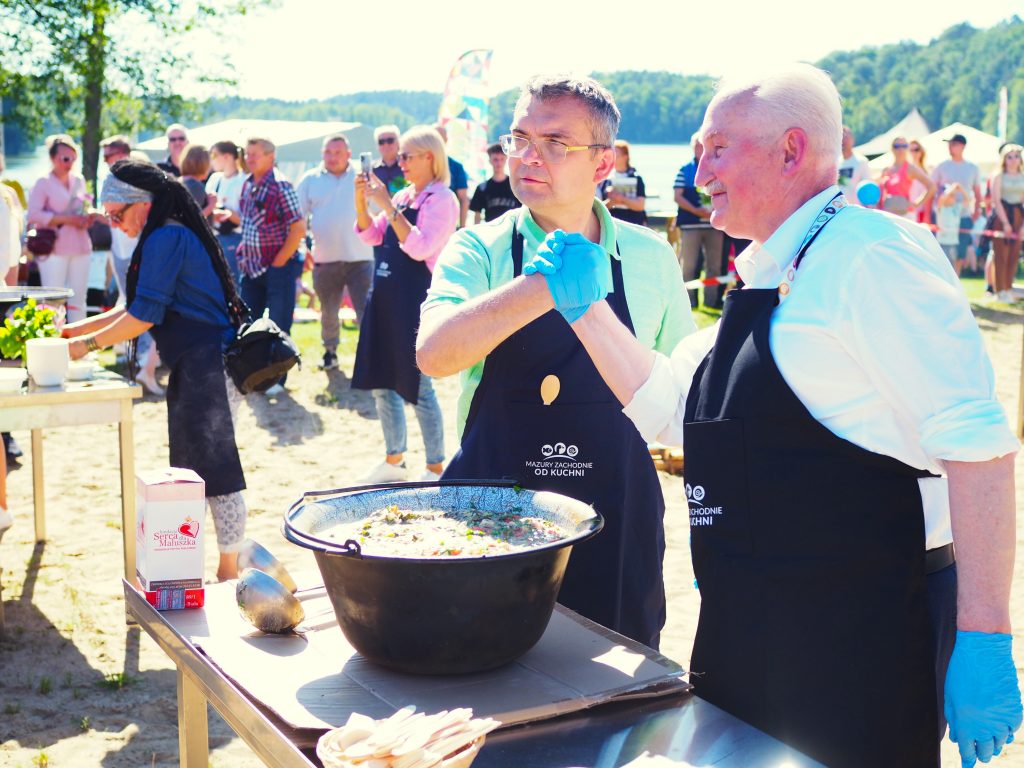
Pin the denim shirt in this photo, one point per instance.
(177, 274)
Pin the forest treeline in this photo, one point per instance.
(957, 76)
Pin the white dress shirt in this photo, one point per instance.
(875, 337)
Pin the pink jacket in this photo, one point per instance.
(50, 198)
(436, 221)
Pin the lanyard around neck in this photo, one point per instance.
(832, 207)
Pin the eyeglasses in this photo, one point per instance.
(406, 156)
(386, 140)
(118, 218)
(900, 146)
(550, 151)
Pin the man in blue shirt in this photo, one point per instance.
(459, 180)
(695, 233)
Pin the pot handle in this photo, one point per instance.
(350, 548)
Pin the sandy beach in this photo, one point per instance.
(79, 688)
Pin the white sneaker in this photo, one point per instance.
(430, 477)
(6, 521)
(149, 383)
(1005, 297)
(387, 473)
(275, 391)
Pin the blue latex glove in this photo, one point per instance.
(578, 272)
(982, 701)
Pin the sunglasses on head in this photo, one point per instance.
(386, 140)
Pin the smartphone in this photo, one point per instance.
(366, 162)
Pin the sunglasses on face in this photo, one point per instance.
(405, 157)
(118, 218)
(176, 138)
(1013, 157)
(386, 140)
(899, 146)
(66, 159)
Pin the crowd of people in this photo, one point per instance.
(893, 559)
(977, 221)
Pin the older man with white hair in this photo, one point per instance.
(841, 433)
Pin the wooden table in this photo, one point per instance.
(104, 399)
(681, 727)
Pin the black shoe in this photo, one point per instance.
(330, 361)
(11, 447)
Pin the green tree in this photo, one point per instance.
(92, 54)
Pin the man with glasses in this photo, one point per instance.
(177, 138)
(533, 407)
(387, 169)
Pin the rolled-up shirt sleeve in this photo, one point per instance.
(436, 221)
(37, 199)
(373, 234)
(921, 347)
(658, 407)
(158, 273)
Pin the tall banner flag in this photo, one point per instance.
(1003, 109)
(463, 112)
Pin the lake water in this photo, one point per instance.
(657, 163)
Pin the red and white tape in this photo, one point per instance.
(729, 279)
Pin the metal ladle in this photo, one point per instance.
(252, 554)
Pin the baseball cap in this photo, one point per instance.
(958, 138)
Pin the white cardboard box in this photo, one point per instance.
(169, 537)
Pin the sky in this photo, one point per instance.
(305, 49)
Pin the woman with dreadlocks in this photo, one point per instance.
(179, 288)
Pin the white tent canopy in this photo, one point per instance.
(982, 148)
(298, 143)
(912, 126)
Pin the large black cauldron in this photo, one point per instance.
(439, 616)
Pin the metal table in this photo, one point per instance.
(104, 399)
(685, 729)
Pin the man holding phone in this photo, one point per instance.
(338, 258)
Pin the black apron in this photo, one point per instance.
(809, 554)
(199, 427)
(581, 446)
(386, 354)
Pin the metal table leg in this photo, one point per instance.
(193, 733)
(38, 491)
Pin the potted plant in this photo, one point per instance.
(29, 321)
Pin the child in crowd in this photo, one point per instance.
(947, 218)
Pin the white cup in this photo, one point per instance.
(47, 361)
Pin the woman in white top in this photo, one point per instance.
(1008, 200)
(59, 201)
(226, 183)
